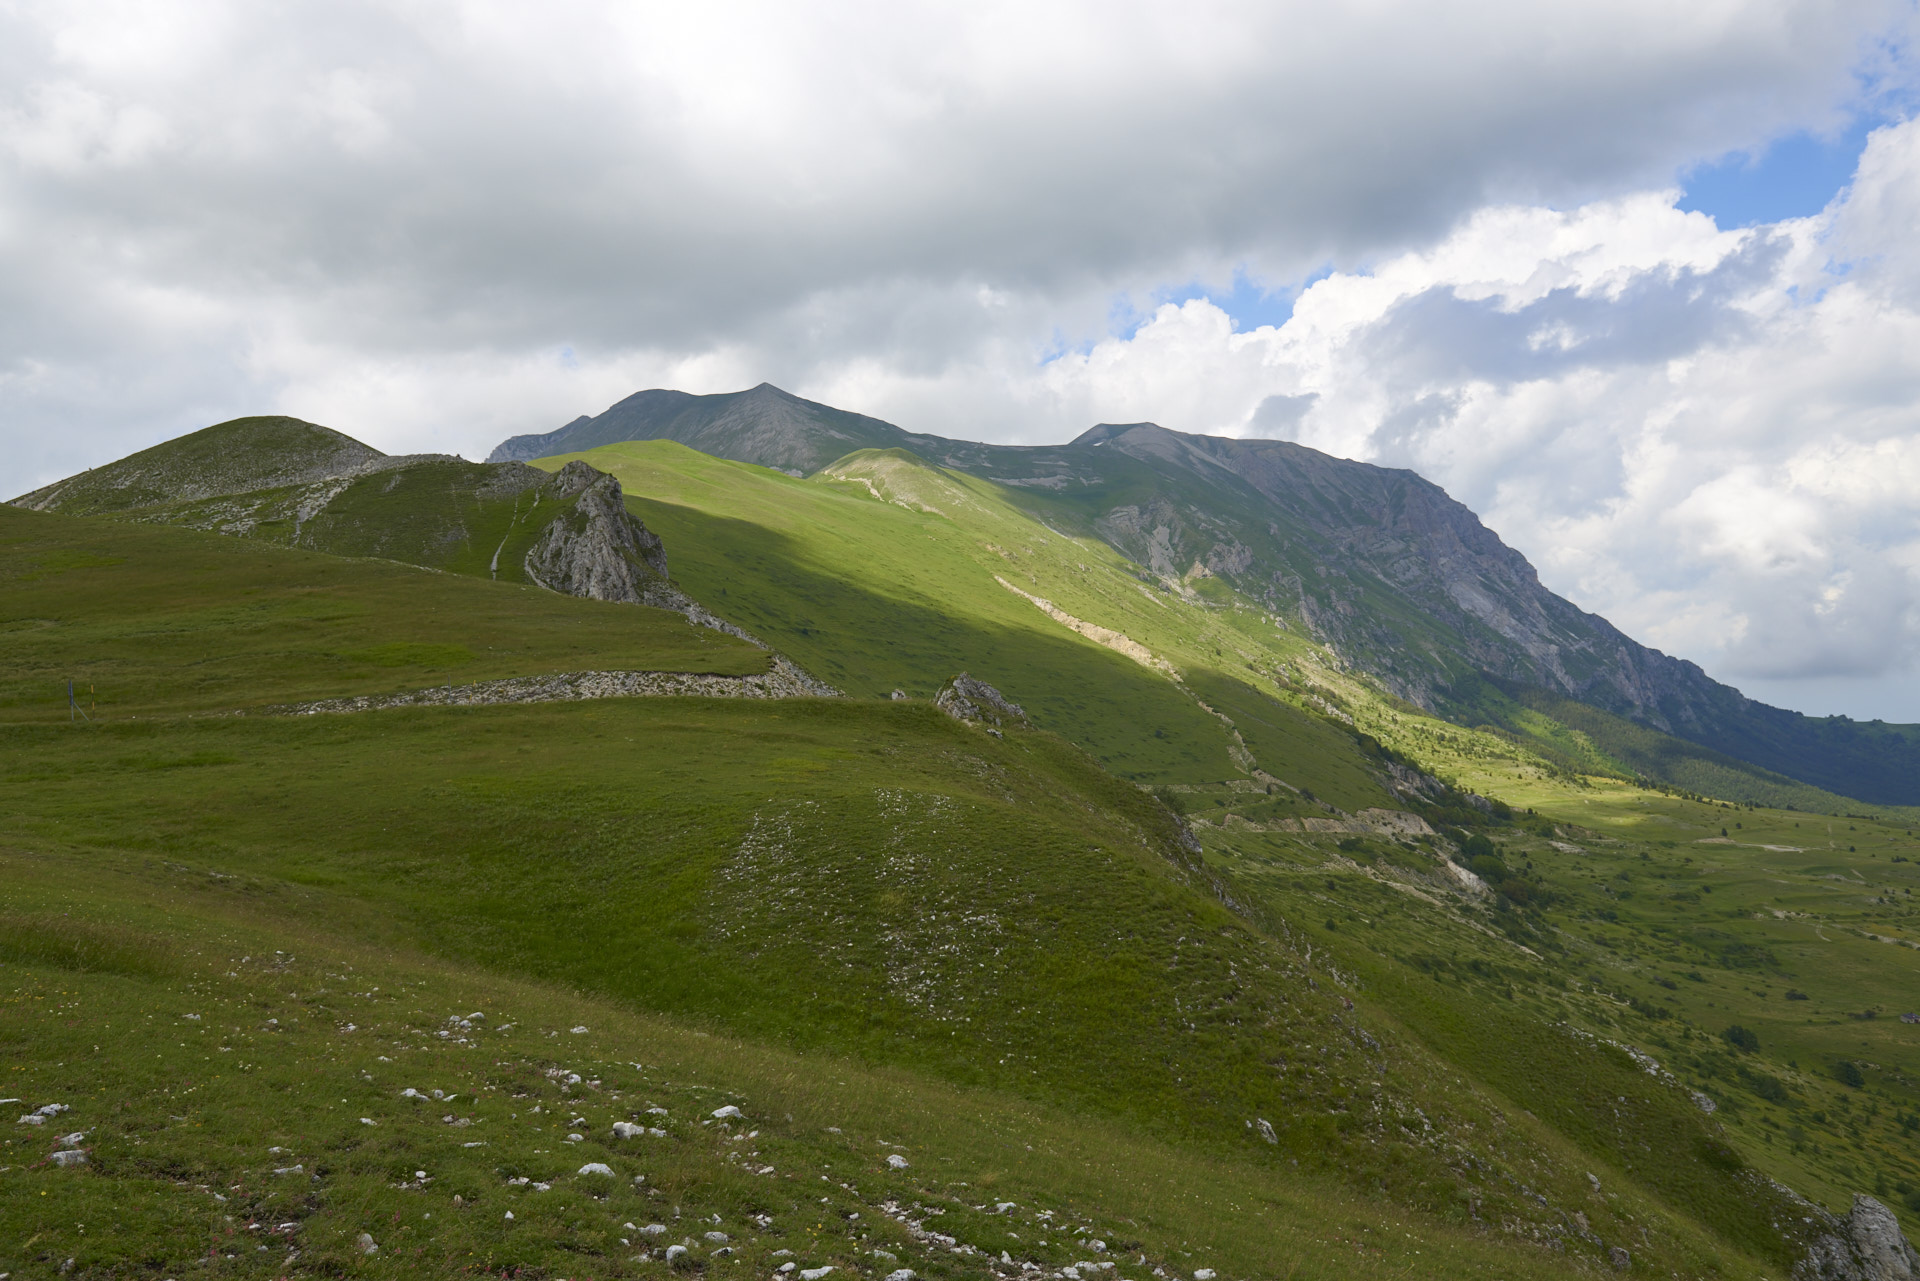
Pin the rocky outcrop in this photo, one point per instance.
(597, 549)
(782, 679)
(1867, 1245)
(974, 702)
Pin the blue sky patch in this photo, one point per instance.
(1795, 176)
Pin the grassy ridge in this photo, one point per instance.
(151, 620)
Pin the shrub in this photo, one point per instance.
(1741, 1039)
(1848, 1073)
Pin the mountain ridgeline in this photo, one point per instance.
(1379, 564)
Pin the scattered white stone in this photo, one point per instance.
(411, 1093)
(73, 1140)
(675, 1253)
(1266, 1130)
(718, 1238)
(656, 1111)
(33, 1118)
(291, 1169)
(900, 1274)
(53, 1109)
(786, 1267)
(629, 1227)
(655, 1229)
(476, 1015)
(509, 1215)
(576, 1137)
(477, 1143)
(1203, 1274)
(367, 1120)
(628, 1130)
(896, 1161)
(543, 1187)
(597, 1167)
(1003, 1207)
(576, 1030)
(814, 1274)
(726, 1113)
(194, 1017)
(72, 1156)
(367, 1244)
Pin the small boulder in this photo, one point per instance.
(597, 1167)
(628, 1130)
(71, 1156)
(727, 1113)
(814, 1274)
(895, 1161)
(366, 1244)
(678, 1256)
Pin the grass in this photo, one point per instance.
(865, 891)
(148, 620)
(304, 1026)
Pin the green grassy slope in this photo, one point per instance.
(837, 878)
(869, 880)
(150, 620)
(312, 1014)
(871, 596)
(465, 518)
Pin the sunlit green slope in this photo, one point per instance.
(996, 921)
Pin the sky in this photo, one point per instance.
(1635, 281)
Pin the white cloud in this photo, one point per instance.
(1713, 438)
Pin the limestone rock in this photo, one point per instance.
(598, 549)
(974, 702)
(1867, 1245)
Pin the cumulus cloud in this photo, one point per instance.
(1711, 437)
(433, 226)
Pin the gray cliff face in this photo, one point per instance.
(1356, 530)
(597, 549)
(1867, 1245)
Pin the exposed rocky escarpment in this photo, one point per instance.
(1867, 1245)
(974, 702)
(597, 549)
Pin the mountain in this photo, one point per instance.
(1382, 566)
(763, 425)
(1216, 955)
